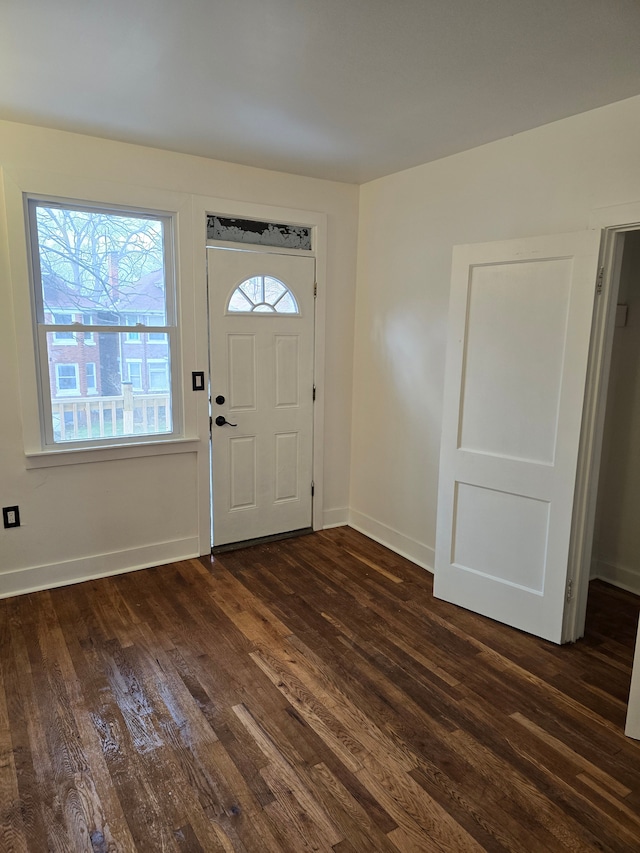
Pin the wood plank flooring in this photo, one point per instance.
(308, 695)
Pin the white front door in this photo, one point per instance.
(261, 326)
(519, 330)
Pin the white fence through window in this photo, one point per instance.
(80, 418)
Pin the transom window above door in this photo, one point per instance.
(264, 294)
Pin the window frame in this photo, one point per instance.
(40, 328)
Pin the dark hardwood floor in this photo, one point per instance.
(308, 695)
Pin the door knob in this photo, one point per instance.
(221, 421)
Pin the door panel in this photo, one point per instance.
(508, 305)
(287, 358)
(242, 476)
(287, 476)
(262, 364)
(242, 371)
(519, 330)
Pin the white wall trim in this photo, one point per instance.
(337, 517)
(616, 575)
(37, 578)
(403, 545)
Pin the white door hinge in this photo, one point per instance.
(599, 280)
(570, 589)
(315, 289)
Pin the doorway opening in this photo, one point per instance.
(616, 538)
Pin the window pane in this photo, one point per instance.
(119, 396)
(239, 302)
(263, 294)
(273, 289)
(105, 264)
(287, 305)
(252, 288)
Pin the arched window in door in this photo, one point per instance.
(264, 294)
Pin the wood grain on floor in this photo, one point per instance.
(308, 695)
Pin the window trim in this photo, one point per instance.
(31, 201)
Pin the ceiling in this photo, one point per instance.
(348, 90)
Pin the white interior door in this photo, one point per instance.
(261, 309)
(519, 330)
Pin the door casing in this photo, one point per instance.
(614, 223)
(200, 207)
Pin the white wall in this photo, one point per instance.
(616, 548)
(544, 181)
(84, 519)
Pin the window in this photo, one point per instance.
(64, 336)
(264, 294)
(90, 376)
(102, 271)
(67, 380)
(87, 320)
(134, 320)
(134, 373)
(158, 374)
(154, 337)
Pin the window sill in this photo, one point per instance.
(78, 455)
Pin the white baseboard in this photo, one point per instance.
(616, 575)
(36, 578)
(405, 546)
(335, 517)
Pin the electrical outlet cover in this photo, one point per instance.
(11, 516)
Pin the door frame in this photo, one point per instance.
(300, 279)
(317, 222)
(613, 222)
